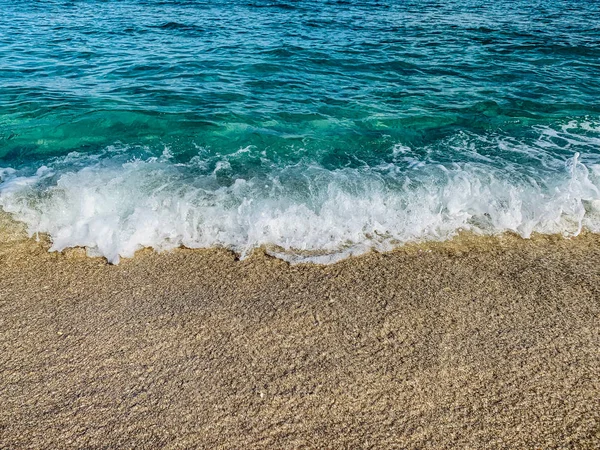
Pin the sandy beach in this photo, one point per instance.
(299, 224)
(476, 343)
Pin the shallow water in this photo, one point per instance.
(318, 129)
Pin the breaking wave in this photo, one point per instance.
(303, 212)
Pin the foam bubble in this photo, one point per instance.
(302, 212)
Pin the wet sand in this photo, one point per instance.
(478, 343)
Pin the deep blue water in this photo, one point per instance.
(315, 128)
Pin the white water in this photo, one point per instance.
(114, 206)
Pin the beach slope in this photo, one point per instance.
(477, 343)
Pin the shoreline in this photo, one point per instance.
(13, 235)
(477, 342)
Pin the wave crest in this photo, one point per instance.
(300, 213)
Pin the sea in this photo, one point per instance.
(313, 129)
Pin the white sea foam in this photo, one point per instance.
(302, 212)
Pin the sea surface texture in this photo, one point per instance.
(317, 129)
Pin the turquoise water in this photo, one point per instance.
(317, 129)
